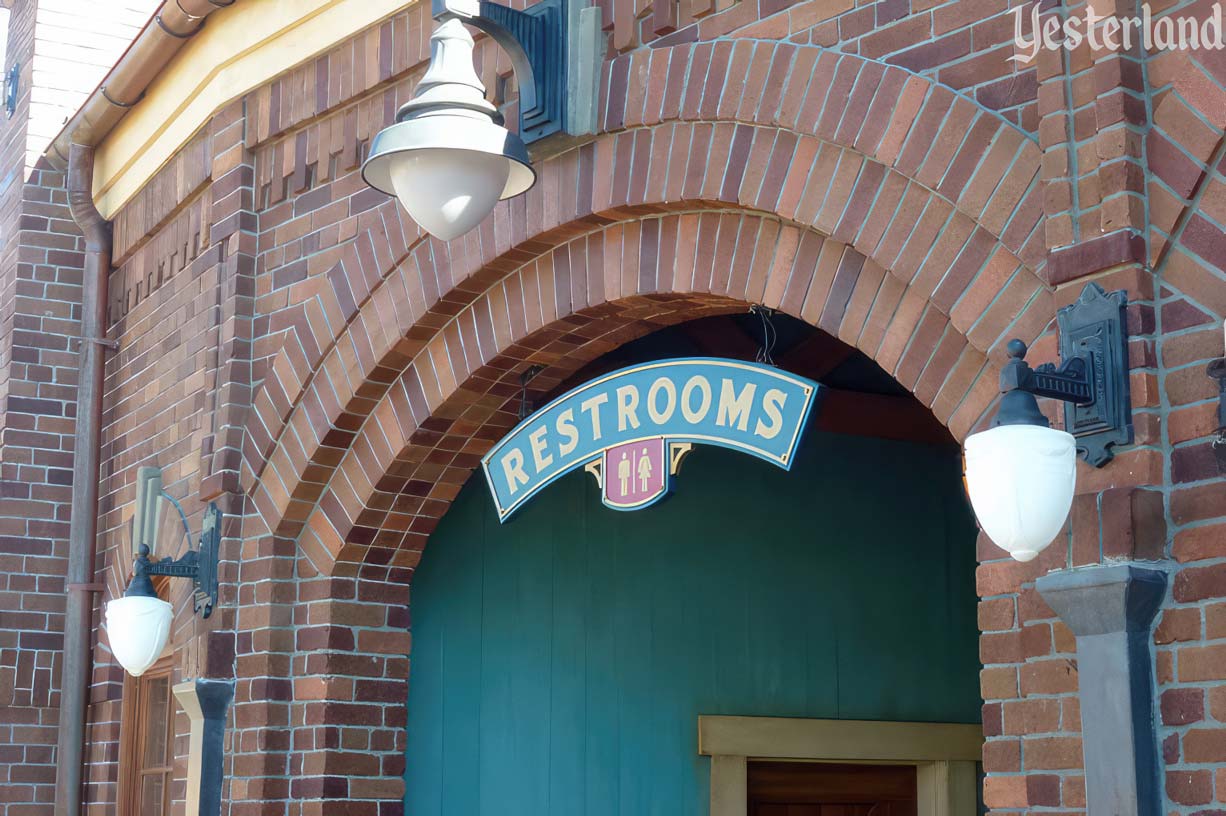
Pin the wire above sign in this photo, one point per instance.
(631, 428)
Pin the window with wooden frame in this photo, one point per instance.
(146, 750)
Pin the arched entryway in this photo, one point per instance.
(401, 365)
(561, 661)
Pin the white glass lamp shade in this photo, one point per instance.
(447, 157)
(1021, 480)
(138, 628)
(449, 192)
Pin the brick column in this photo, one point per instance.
(346, 712)
(40, 291)
(1094, 119)
(235, 231)
(247, 577)
(1032, 753)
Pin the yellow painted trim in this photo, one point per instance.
(185, 693)
(241, 48)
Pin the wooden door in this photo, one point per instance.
(818, 789)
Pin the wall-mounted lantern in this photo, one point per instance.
(1021, 473)
(138, 624)
(448, 158)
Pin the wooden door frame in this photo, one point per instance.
(944, 755)
(131, 728)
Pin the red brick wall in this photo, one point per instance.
(40, 264)
(36, 443)
(1186, 228)
(293, 347)
(1191, 652)
(180, 297)
(379, 501)
(41, 255)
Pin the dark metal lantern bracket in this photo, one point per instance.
(200, 565)
(1092, 381)
(1217, 370)
(534, 39)
(543, 42)
(525, 404)
(11, 86)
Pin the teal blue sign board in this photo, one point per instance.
(633, 427)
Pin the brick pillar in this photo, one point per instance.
(1120, 515)
(40, 284)
(260, 737)
(1191, 659)
(1094, 119)
(233, 236)
(349, 710)
(41, 290)
(322, 682)
(235, 231)
(1031, 712)
(39, 294)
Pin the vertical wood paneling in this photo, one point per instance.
(560, 661)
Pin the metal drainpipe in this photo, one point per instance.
(83, 525)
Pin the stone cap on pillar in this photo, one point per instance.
(1100, 600)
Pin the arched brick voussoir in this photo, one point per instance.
(985, 165)
(1189, 126)
(578, 301)
(957, 265)
(847, 144)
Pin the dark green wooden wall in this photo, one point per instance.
(560, 661)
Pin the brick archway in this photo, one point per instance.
(901, 181)
(426, 432)
(862, 198)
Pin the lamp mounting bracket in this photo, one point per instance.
(1092, 380)
(1217, 370)
(554, 49)
(528, 374)
(1069, 383)
(200, 565)
(12, 81)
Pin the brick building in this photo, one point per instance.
(286, 343)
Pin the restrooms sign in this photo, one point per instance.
(632, 428)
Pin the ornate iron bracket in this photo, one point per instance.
(1092, 382)
(551, 45)
(12, 83)
(200, 565)
(1217, 370)
(1070, 383)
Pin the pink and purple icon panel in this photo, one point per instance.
(635, 474)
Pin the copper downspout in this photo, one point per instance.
(83, 524)
(173, 24)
